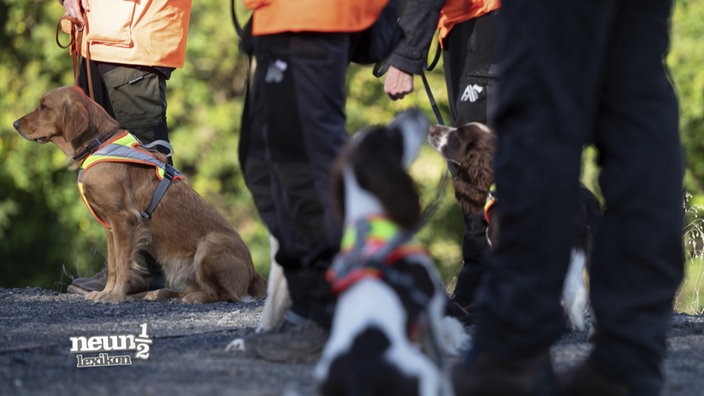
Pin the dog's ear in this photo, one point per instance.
(378, 161)
(475, 136)
(466, 139)
(75, 121)
(400, 198)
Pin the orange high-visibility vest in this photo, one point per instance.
(278, 16)
(458, 11)
(137, 32)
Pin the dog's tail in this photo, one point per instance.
(257, 287)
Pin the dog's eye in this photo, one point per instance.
(42, 106)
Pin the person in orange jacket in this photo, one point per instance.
(293, 127)
(129, 51)
(467, 33)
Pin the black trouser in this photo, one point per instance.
(470, 68)
(292, 130)
(575, 71)
(470, 76)
(134, 95)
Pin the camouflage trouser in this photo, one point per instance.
(134, 95)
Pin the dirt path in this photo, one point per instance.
(185, 350)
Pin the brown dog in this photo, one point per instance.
(193, 243)
(471, 148)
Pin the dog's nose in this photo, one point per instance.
(16, 124)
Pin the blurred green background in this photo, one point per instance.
(47, 236)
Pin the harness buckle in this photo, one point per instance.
(169, 171)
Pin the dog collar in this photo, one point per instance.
(94, 144)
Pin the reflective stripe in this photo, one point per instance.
(380, 232)
(490, 201)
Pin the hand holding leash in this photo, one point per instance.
(75, 9)
(397, 83)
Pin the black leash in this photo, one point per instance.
(233, 14)
(431, 99)
(434, 204)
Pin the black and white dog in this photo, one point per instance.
(470, 148)
(389, 333)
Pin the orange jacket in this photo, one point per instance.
(137, 32)
(277, 16)
(458, 11)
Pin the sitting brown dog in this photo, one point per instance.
(145, 206)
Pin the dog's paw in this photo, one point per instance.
(237, 345)
(152, 295)
(453, 338)
(160, 294)
(198, 297)
(105, 297)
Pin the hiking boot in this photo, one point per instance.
(288, 342)
(97, 282)
(84, 286)
(586, 380)
(486, 374)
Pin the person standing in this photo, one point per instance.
(575, 72)
(129, 50)
(467, 34)
(293, 127)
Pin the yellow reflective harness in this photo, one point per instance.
(370, 248)
(125, 147)
(490, 201)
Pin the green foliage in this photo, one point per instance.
(685, 60)
(45, 230)
(689, 298)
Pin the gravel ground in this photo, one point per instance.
(187, 351)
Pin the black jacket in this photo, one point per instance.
(418, 20)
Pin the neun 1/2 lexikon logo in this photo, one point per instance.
(139, 343)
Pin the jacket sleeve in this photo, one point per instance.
(418, 21)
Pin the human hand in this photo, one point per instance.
(397, 83)
(74, 9)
